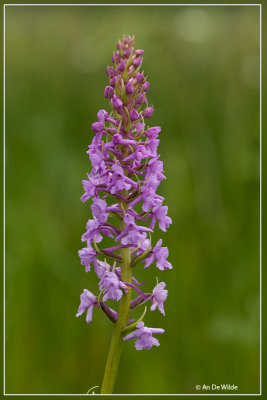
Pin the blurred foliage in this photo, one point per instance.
(203, 67)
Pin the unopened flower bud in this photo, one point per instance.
(134, 115)
(126, 40)
(119, 84)
(112, 82)
(121, 66)
(137, 61)
(127, 53)
(111, 72)
(129, 88)
(139, 78)
(139, 52)
(131, 41)
(148, 112)
(140, 100)
(145, 86)
(116, 58)
(108, 92)
(117, 103)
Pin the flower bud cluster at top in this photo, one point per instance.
(126, 169)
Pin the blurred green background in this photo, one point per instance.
(203, 67)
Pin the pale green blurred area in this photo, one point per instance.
(203, 67)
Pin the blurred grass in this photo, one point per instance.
(203, 67)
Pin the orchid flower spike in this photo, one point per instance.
(122, 185)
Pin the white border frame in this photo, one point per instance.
(133, 5)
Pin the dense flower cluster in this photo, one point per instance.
(122, 184)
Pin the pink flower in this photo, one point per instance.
(88, 301)
(159, 296)
(145, 340)
(158, 254)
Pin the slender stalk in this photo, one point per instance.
(116, 341)
(124, 308)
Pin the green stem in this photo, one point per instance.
(126, 276)
(116, 341)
